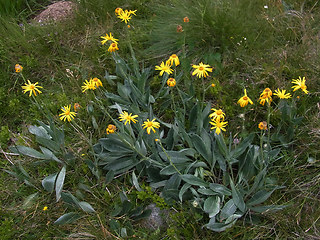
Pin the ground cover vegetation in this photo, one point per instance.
(208, 109)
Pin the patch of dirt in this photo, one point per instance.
(56, 12)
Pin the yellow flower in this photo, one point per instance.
(217, 115)
(282, 94)
(118, 11)
(201, 70)
(150, 125)
(171, 82)
(244, 100)
(45, 208)
(124, 116)
(267, 92)
(108, 38)
(173, 59)
(265, 96)
(132, 12)
(262, 125)
(88, 85)
(186, 19)
(113, 47)
(111, 128)
(76, 107)
(67, 114)
(32, 88)
(18, 68)
(213, 85)
(125, 16)
(218, 126)
(300, 83)
(97, 82)
(164, 68)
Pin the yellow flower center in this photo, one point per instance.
(201, 68)
(245, 98)
(149, 124)
(303, 86)
(67, 112)
(113, 45)
(32, 86)
(219, 112)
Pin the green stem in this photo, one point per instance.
(168, 157)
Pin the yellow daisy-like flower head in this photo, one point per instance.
(263, 125)
(76, 107)
(18, 68)
(118, 11)
(88, 85)
(300, 84)
(45, 208)
(164, 68)
(173, 59)
(216, 124)
(67, 114)
(113, 47)
(282, 94)
(97, 82)
(265, 96)
(201, 70)
(267, 92)
(31, 88)
(124, 116)
(244, 100)
(171, 82)
(217, 115)
(108, 38)
(150, 125)
(125, 16)
(111, 128)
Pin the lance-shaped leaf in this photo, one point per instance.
(67, 218)
(48, 182)
(59, 182)
(237, 198)
(193, 180)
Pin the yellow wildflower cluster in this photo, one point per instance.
(124, 15)
(114, 42)
(217, 120)
(149, 125)
(92, 84)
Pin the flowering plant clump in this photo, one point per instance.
(184, 153)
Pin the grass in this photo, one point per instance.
(281, 44)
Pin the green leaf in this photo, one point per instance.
(212, 206)
(237, 198)
(109, 176)
(242, 146)
(48, 182)
(135, 182)
(206, 191)
(29, 201)
(68, 198)
(67, 218)
(193, 180)
(94, 122)
(201, 147)
(184, 188)
(228, 210)
(54, 146)
(222, 145)
(175, 157)
(39, 131)
(217, 226)
(86, 207)
(49, 155)
(218, 188)
(60, 182)
(260, 197)
(27, 151)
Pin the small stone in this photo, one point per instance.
(157, 219)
